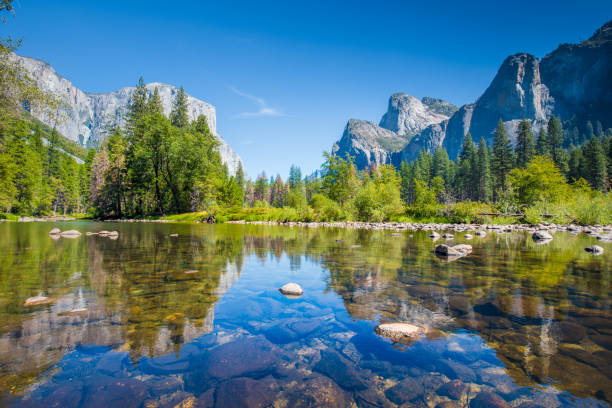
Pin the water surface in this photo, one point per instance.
(153, 320)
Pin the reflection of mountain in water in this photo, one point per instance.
(143, 303)
(556, 332)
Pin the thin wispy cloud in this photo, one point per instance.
(264, 109)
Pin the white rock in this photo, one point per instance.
(468, 236)
(55, 231)
(399, 331)
(291, 289)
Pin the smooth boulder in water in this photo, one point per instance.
(434, 235)
(480, 234)
(454, 251)
(55, 231)
(448, 236)
(291, 289)
(541, 237)
(400, 332)
(468, 236)
(595, 249)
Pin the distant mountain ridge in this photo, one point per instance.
(90, 116)
(573, 81)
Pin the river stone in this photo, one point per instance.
(605, 238)
(448, 236)
(38, 300)
(372, 398)
(571, 332)
(292, 289)
(70, 233)
(454, 251)
(455, 370)
(406, 390)
(253, 356)
(463, 248)
(55, 231)
(399, 332)
(115, 392)
(319, 392)
(434, 235)
(541, 236)
(113, 234)
(595, 249)
(340, 370)
(468, 236)
(246, 392)
(454, 389)
(173, 235)
(480, 234)
(488, 400)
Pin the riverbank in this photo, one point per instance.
(404, 226)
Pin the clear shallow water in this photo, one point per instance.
(514, 323)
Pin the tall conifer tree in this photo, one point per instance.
(525, 148)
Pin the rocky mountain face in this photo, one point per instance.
(575, 80)
(88, 117)
(406, 117)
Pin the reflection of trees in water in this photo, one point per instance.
(524, 300)
(135, 291)
(527, 301)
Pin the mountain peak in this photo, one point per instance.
(604, 33)
(407, 115)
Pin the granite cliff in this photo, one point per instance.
(573, 81)
(87, 117)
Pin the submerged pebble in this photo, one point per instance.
(38, 300)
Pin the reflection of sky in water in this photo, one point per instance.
(253, 338)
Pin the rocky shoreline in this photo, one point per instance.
(596, 230)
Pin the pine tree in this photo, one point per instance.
(240, 176)
(555, 139)
(542, 144)
(467, 173)
(295, 178)
(178, 115)
(595, 164)
(138, 105)
(502, 160)
(574, 172)
(484, 172)
(155, 103)
(525, 149)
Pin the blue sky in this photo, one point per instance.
(286, 76)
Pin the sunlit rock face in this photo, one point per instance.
(371, 144)
(573, 81)
(407, 115)
(88, 117)
(366, 142)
